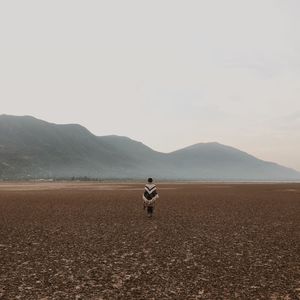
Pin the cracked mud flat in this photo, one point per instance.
(82, 241)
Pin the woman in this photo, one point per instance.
(150, 196)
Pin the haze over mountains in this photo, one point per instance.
(32, 148)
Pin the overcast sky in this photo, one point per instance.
(165, 72)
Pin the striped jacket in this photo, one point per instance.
(150, 194)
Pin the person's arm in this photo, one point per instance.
(155, 193)
(144, 195)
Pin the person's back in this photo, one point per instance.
(150, 195)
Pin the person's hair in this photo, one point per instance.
(150, 180)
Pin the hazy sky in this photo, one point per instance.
(168, 73)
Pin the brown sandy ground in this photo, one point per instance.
(94, 241)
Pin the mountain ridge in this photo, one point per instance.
(33, 148)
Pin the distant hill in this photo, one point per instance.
(217, 161)
(32, 148)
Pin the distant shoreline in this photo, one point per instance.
(160, 181)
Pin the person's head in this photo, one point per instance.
(150, 180)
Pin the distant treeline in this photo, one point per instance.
(69, 178)
(84, 178)
(49, 179)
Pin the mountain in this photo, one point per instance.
(32, 148)
(217, 161)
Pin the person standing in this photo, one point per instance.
(150, 195)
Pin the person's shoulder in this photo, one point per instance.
(150, 186)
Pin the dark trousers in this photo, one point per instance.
(150, 210)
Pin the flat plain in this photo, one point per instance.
(94, 241)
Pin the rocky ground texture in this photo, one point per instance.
(94, 241)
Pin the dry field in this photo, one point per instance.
(94, 241)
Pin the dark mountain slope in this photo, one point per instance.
(37, 148)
